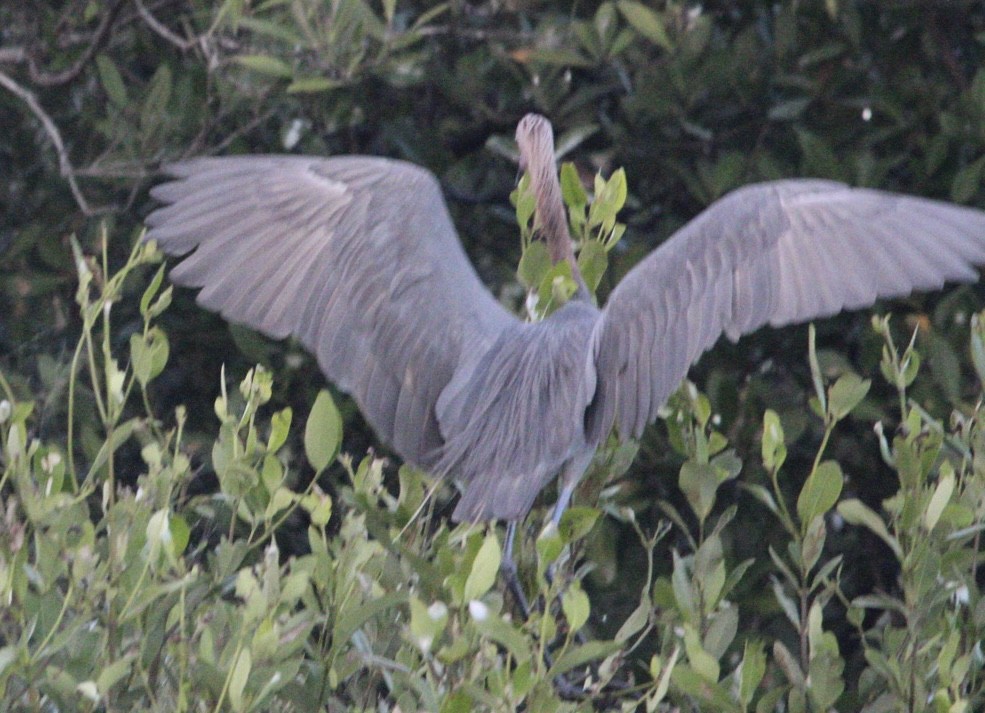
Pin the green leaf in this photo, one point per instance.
(109, 77)
(549, 545)
(485, 567)
(856, 512)
(556, 288)
(646, 22)
(272, 30)
(535, 263)
(427, 622)
(939, 500)
(149, 354)
(816, 368)
(524, 201)
(967, 181)
(264, 64)
(350, 618)
(121, 434)
(151, 291)
(722, 630)
(313, 85)
(592, 262)
(699, 483)
(561, 57)
(579, 655)
(978, 346)
(661, 673)
(753, 668)
(576, 522)
(825, 681)
(610, 197)
(318, 505)
(700, 660)
(788, 110)
(789, 665)
(280, 427)
(944, 364)
(239, 678)
(813, 542)
(323, 432)
(774, 450)
(819, 159)
(762, 495)
(715, 696)
(279, 500)
(569, 141)
(572, 191)
(153, 110)
(684, 594)
(113, 673)
(576, 607)
(845, 394)
(492, 626)
(820, 492)
(180, 534)
(636, 620)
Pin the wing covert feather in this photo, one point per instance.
(355, 256)
(771, 253)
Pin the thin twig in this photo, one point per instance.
(64, 164)
(471, 34)
(242, 130)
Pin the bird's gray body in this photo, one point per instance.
(358, 259)
(540, 373)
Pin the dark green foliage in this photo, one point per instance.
(811, 561)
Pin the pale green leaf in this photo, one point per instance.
(264, 64)
(485, 567)
(647, 22)
(845, 395)
(820, 492)
(239, 678)
(323, 432)
(856, 512)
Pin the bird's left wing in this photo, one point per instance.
(775, 253)
(356, 257)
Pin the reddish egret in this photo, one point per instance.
(358, 259)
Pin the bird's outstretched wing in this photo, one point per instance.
(776, 253)
(356, 257)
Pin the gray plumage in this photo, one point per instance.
(358, 259)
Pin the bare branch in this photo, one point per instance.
(154, 24)
(64, 164)
(47, 79)
(13, 55)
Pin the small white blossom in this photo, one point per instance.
(478, 610)
(438, 611)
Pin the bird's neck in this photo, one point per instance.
(553, 225)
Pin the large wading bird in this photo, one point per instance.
(357, 258)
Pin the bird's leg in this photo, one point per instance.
(571, 475)
(563, 500)
(508, 568)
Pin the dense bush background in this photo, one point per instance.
(693, 100)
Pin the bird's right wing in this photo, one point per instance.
(774, 253)
(356, 257)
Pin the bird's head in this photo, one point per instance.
(535, 139)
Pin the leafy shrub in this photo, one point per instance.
(147, 564)
(127, 585)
